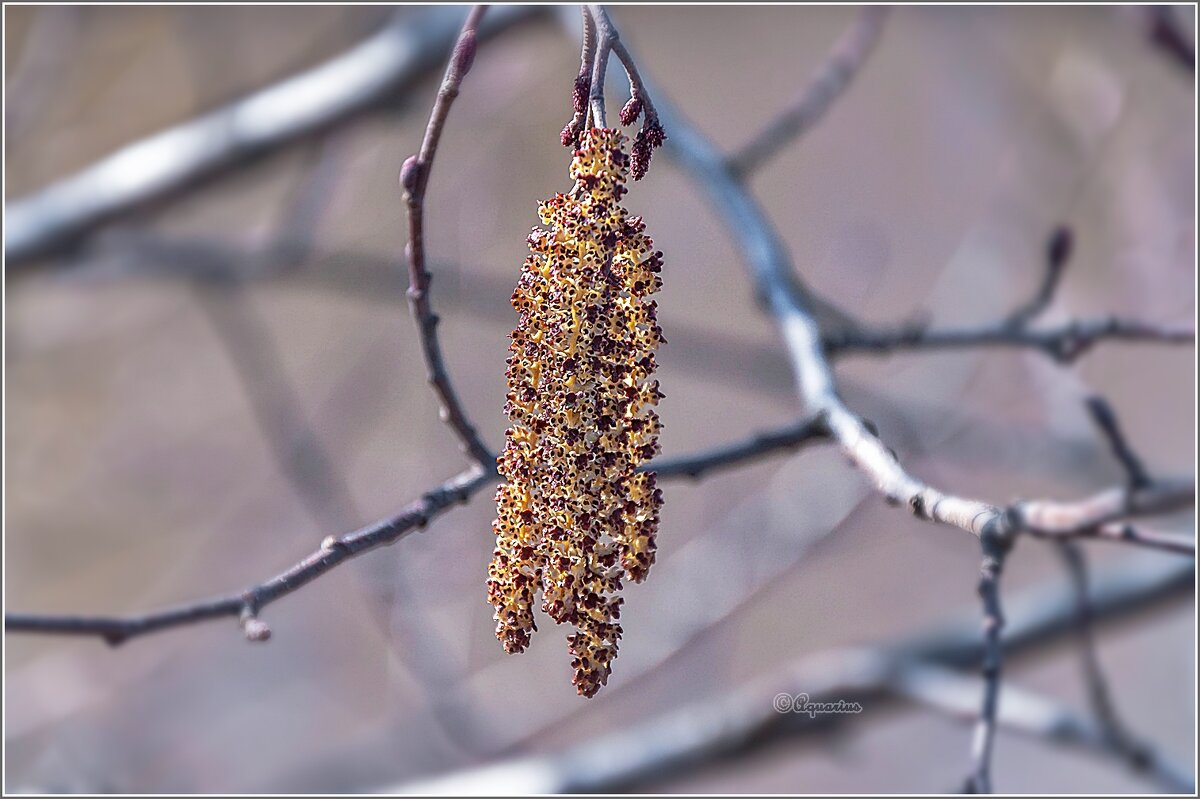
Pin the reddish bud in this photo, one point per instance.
(631, 111)
(579, 97)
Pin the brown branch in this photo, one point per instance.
(832, 78)
(414, 178)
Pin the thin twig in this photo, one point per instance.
(1064, 342)
(995, 550)
(785, 438)
(338, 549)
(414, 178)
(1100, 697)
(1058, 253)
(832, 78)
(246, 605)
(1106, 421)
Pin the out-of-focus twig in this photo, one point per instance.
(831, 79)
(1064, 342)
(178, 157)
(1111, 729)
(296, 447)
(1170, 37)
(1027, 713)
(742, 721)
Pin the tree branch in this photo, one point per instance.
(1064, 343)
(736, 453)
(995, 550)
(179, 157)
(1112, 730)
(743, 721)
(414, 179)
(832, 78)
(246, 605)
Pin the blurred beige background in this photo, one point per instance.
(139, 472)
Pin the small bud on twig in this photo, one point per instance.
(463, 56)
(410, 174)
(631, 111)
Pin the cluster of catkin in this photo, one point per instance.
(574, 514)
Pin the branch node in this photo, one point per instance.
(254, 628)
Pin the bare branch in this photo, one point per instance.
(1058, 252)
(995, 550)
(1064, 343)
(1024, 712)
(736, 453)
(1106, 420)
(743, 721)
(787, 297)
(1127, 533)
(338, 549)
(414, 179)
(1050, 519)
(178, 157)
(1112, 729)
(830, 81)
(246, 605)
